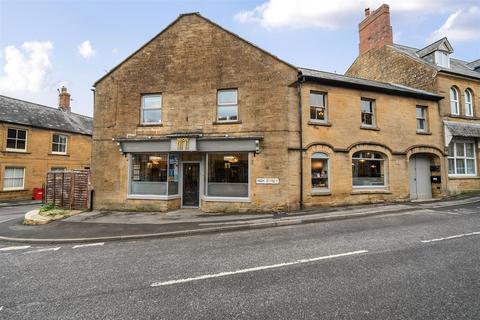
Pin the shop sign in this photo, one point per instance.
(183, 144)
(267, 181)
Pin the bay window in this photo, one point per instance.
(368, 169)
(228, 175)
(461, 158)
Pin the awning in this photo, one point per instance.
(189, 143)
(460, 129)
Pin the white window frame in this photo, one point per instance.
(58, 143)
(323, 156)
(143, 108)
(454, 103)
(384, 161)
(26, 140)
(219, 105)
(374, 118)
(464, 158)
(324, 107)
(468, 102)
(23, 178)
(442, 59)
(424, 118)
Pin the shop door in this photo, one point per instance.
(420, 183)
(191, 185)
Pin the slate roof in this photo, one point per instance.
(434, 47)
(35, 115)
(457, 66)
(351, 82)
(460, 129)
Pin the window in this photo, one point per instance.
(58, 169)
(442, 59)
(318, 107)
(227, 105)
(468, 103)
(368, 169)
(227, 175)
(320, 172)
(59, 143)
(461, 158)
(152, 109)
(368, 113)
(14, 178)
(154, 174)
(454, 101)
(422, 119)
(16, 139)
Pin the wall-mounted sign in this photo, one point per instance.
(267, 181)
(183, 144)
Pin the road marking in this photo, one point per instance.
(1, 308)
(14, 248)
(279, 265)
(89, 245)
(44, 249)
(453, 237)
(7, 220)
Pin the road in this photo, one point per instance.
(7, 213)
(421, 264)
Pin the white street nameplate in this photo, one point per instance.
(267, 181)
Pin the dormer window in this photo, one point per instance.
(442, 59)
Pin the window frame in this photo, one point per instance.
(227, 105)
(325, 107)
(373, 113)
(442, 59)
(5, 178)
(384, 161)
(143, 108)
(468, 103)
(16, 139)
(324, 156)
(455, 157)
(425, 118)
(454, 102)
(59, 144)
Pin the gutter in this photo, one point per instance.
(301, 79)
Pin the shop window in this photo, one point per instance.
(468, 103)
(462, 159)
(59, 143)
(16, 139)
(318, 107)
(14, 178)
(228, 175)
(368, 113)
(454, 109)
(227, 105)
(422, 119)
(368, 169)
(154, 174)
(152, 109)
(320, 172)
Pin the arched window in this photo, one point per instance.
(454, 101)
(320, 171)
(368, 169)
(468, 103)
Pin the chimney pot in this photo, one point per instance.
(375, 30)
(367, 12)
(64, 99)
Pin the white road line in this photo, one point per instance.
(453, 237)
(279, 265)
(1, 308)
(14, 248)
(88, 245)
(7, 220)
(44, 249)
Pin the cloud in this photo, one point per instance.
(26, 68)
(333, 14)
(462, 25)
(85, 49)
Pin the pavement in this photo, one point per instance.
(415, 264)
(108, 226)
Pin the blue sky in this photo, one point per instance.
(45, 44)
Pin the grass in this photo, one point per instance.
(51, 210)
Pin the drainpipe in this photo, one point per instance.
(299, 92)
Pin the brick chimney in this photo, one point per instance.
(64, 99)
(375, 30)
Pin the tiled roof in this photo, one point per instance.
(31, 114)
(347, 81)
(457, 66)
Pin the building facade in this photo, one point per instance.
(434, 69)
(198, 117)
(35, 139)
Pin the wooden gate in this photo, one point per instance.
(69, 189)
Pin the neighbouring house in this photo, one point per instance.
(433, 69)
(199, 117)
(35, 139)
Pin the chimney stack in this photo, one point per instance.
(64, 99)
(375, 30)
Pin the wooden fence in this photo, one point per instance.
(69, 189)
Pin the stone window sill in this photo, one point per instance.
(318, 123)
(457, 177)
(13, 190)
(226, 122)
(146, 125)
(319, 193)
(225, 199)
(424, 133)
(59, 154)
(15, 151)
(370, 191)
(370, 128)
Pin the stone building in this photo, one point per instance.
(35, 139)
(198, 117)
(433, 69)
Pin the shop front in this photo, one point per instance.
(190, 169)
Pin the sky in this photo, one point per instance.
(45, 44)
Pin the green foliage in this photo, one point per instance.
(47, 207)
